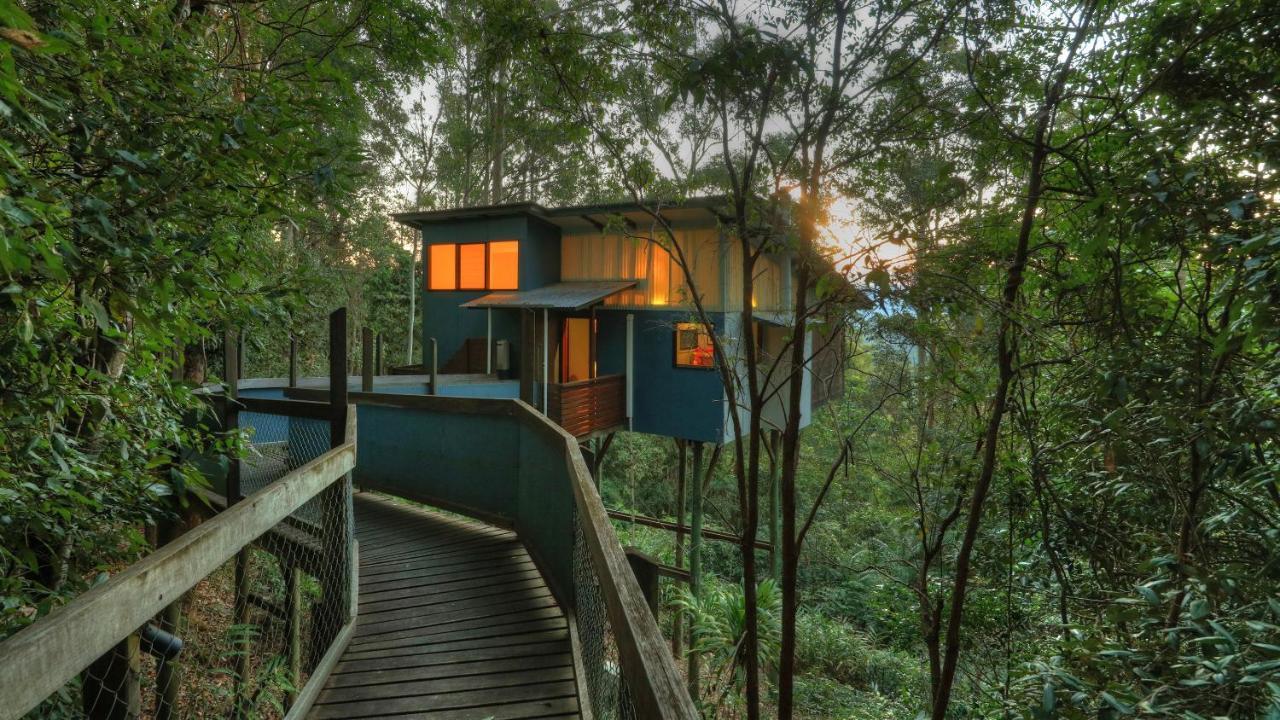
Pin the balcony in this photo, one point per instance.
(588, 406)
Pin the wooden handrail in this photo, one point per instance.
(651, 675)
(599, 380)
(656, 686)
(41, 657)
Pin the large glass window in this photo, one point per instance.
(474, 266)
(504, 265)
(471, 270)
(442, 270)
(693, 346)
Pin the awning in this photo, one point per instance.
(559, 296)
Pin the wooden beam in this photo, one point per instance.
(680, 529)
(40, 658)
(290, 408)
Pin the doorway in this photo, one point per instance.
(576, 350)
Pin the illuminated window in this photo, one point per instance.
(693, 346)
(660, 278)
(504, 265)
(471, 266)
(442, 267)
(474, 266)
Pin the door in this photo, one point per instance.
(576, 341)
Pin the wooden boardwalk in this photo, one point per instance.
(455, 622)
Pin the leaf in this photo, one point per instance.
(99, 312)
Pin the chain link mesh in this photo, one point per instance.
(249, 634)
(609, 694)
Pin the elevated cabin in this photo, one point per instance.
(584, 313)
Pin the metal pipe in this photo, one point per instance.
(488, 342)
(546, 369)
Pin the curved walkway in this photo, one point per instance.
(455, 622)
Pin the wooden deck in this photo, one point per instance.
(455, 622)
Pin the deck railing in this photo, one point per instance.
(586, 406)
(239, 616)
(504, 462)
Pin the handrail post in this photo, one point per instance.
(366, 359)
(231, 411)
(337, 376)
(435, 389)
(112, 688)
(645, 568)
(293, 361)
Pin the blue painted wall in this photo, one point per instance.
(451, 325)
(685, 403)
(539, 255)
(442, 319)
(468, 463)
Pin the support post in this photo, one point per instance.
(775, 503)
(631, 370)
(329, 617)
(488, 341)
(293, 601)
(695, 562)
(244, 652)
(413, 294)
(546, 360)
(293, 362)
(111, 688)
(677, 622)
(435, 388)
(366, 359)
(231, 409)
(645, 568)
(168, 670)
(337, 376)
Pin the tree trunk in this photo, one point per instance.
(790, 465)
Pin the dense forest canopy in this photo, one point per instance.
(1052, 486)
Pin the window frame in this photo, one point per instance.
(429, 263)
(457, 266)
(488, 265)
(675, 346)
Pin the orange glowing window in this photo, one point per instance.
(471, 266)
(660, 279)
(442, 267)
(693, 346)
(504, 265)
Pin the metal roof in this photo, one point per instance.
(695, 209)
(557, 296)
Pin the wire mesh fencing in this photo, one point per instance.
(244, 640)
(609, 694)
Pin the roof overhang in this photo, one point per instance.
(558, 296)
(691, 211)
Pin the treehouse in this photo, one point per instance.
(586, 313)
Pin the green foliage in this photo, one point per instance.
(156, 160)
(834, 650)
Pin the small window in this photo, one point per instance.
(693, 346)
(504, 265)
(443, 267)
